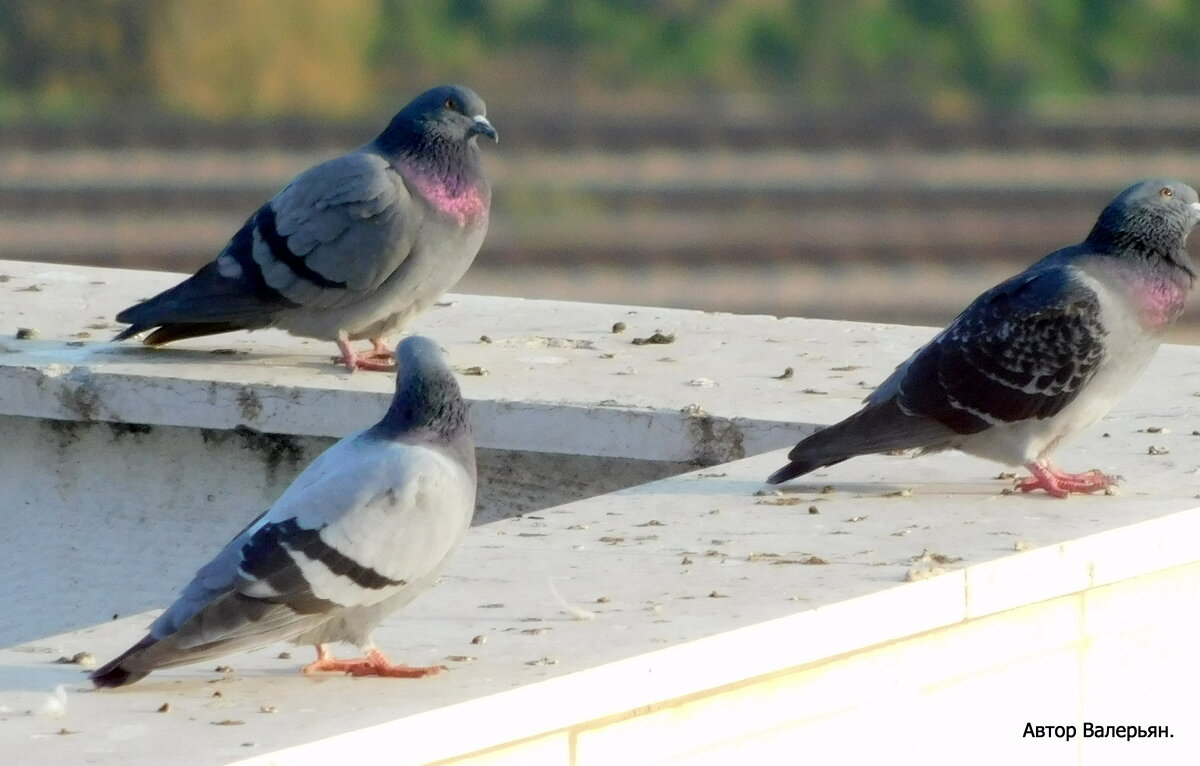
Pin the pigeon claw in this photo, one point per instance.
(380, 358)
(1059, 483)
(374, 664)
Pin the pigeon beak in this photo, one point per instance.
(484, 128)
(1196, 207)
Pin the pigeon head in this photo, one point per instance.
(433, 141)
(445, 117)
(1150, 221)
(428, 403)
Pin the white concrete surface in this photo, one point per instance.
(106, 489)
(568, 409)
(608, 396)
(696, 586)
(697, 601)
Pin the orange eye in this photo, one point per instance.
(1165, 191)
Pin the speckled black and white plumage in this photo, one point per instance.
(363, 530)
(352, 248)
(1039, 357)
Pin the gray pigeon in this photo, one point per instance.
(352, 248)
(1037, 358)
(363, 530)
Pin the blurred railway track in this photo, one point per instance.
(868, 228)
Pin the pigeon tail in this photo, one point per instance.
(878, 428)
(205, 303)
(114, 674)
(168, 333)
(798, 468)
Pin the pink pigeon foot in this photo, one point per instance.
(380, 358)
(374, 664)
(1059, 483)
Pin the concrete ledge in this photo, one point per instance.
(608, 396)
(694, 618)
(887, 606)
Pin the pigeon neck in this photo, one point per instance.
(1157, 294)
(426, 406)
(453, 194)
(448, 173)
(451, 161)
(1155, 242)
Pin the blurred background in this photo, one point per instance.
(880, 160)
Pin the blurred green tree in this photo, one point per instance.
(221, 58)
(65, 55)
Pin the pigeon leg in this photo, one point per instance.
(1043, 478)
(374, 664)
(1094, 480)
(1059, 483)
(378, 665)
(324, 657)
(381, 351)
(381, 358)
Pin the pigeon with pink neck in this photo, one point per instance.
(353, 248)
(1038, 358)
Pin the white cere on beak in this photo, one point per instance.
(483, 127)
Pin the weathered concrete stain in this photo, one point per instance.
(214, 436)
(67, 431)
(121, 430)
(276, 450)
(249, 405)
(716, 440)
(79, 395)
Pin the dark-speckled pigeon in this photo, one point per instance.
(352, 248)
(363, 530)
(1038, 358)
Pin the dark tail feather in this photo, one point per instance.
(877, 428)
(172, 332)
(203, 304)
(129, 332)
(114, 674)
(178, 331)
(798, 468)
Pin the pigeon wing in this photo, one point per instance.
(362, 524)
(1025, 349)
(330, 237)
(336, 232)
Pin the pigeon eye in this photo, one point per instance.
(1165, 191)
(451, 104)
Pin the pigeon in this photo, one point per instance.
(1039, 357)
(352, 248)
(363, 530)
